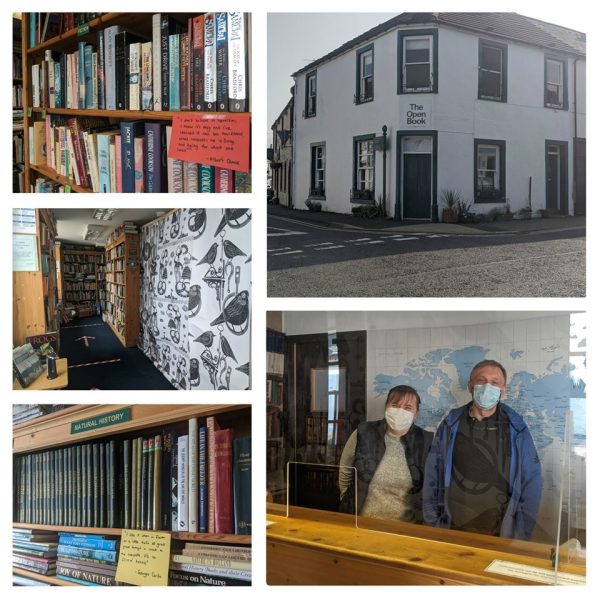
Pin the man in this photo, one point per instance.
(387, 459)
(483, 473)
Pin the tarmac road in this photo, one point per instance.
(540, 268)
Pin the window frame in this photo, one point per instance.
(311, 76)
(360, 196)
(312, 187)
(565, 79)
(359, 97)
(498, 196)
(503, 74)
(405, 34)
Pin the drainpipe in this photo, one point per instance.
(575, 130)
(384, 132)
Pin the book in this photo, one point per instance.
(70, 573)
(174, 66)
(150, 488)
(138, 145)
(182, 483)
(174, 169)
(210, 63)
(224, 481)
(208, 561)
(206, 178)
(223, 180)
(110, 66)
(197, 60)
(126, 469)
(147, 80)
(193, 474)
(202, 482)
(135, 56)
(242, 485)
(221, 45)
(237, 61)
(155, 157)
(107, 555)
(156, 63)
(156, 500)
(129, 131)
(178, 578)
(144, 486)
(211, 427)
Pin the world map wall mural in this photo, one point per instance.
(196, 297)
(545, 363)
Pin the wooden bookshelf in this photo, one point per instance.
(72, 276)
(123, 288)
(67, 42)
(35, 292)
(54, 430)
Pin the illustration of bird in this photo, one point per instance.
(210, 256)
(206, 338)
(235, 218)
(226, 348)
(236, 312)
(194, 300)
(197, 220)
(231, 249)
(245, 368)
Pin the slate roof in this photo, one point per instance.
(511, 26)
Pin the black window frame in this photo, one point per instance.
(359, 196)
(565, 84)
(358, 97)
(403, 34)
(504, 74)
(313, 191)
(490, 197)
(310, 113)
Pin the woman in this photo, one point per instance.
(389, 457)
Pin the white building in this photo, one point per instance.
(280, 159)
(488, 104)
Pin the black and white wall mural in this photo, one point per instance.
(196, 297)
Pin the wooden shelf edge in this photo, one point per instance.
(155, 115)
(54, 176)
(52, 579)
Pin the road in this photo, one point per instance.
(311, 261)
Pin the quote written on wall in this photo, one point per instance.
(219, 140)
(144, 558)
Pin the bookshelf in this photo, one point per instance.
(68, 42)
(18, 141)
(35, 291)
(123, 287)
(82, 278)
(55, 431)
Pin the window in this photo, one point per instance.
(555, 88)
(310, 108)
(492, 71)
(490, 171)
(364, 169)
(417, 61)
(317, 170)
(364, 75)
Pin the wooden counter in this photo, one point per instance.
(320, 548)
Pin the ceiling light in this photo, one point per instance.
(104, 214)
(91, 233)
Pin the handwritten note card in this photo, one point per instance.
(144, 558)
(219, 139)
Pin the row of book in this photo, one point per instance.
(190, 482)
(17, 65)
(199, 64)
(83, 257)
(34, 550)
(117, 232)
(18, 148)
(273, 422)
(26, 412)
(274, 392)
(44, 26)
(17, 100)
(322, 430)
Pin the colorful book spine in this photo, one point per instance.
(211, 427)
(156, 64)
(207, 178)
(238, 62)
(223, 180)
(198, 63)
(126, 469)
(104, 162)
(156, 491)
(129, 131)
(118, 163)
(144, 486)
(174, 66)
(178, 578)
(100, 71)
(242, 486)
(147, 81)
(184, 71)
(174, 484)
(150, 488)
(155, 157)
(81, 81)
(88, 88)
(88, 543)
(174, 169)
(222, 69)
(210, 63)
(193, 474)
(110, 63)
(224, 481)
(81, 576)
(182, 483)
(139, 164)
(107, 555)
(202, 481)
(134, 75)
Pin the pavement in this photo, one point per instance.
(388, 225)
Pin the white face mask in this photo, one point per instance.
(399, 419)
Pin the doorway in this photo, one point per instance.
(557, 177)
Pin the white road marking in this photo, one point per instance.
(315, 245)
(405, 239)
(278, 249)
(330, 247)
(360, 240)
(290, 252)
(374, 242)
(281, 232)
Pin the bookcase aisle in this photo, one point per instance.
(95, 485)
(134, 102)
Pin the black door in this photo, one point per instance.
(579, 150)
(552, 178)
(417, 186)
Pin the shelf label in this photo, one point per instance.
(83, 29)
(531, 573)
(112, 418)
(144, 558)
(216, 139)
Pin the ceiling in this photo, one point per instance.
(71, 222)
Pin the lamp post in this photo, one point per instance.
(384, 132)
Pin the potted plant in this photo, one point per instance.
(450, 200)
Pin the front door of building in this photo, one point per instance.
(556, 177)
(416, 177)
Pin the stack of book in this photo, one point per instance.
(87, 559)
(35, 550)
(210, 564)
(26, 412)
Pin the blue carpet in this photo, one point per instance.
(133, 371)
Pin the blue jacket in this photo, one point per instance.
(525, 476)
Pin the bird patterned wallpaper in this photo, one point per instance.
(195, 297)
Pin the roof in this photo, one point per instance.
(511, 26)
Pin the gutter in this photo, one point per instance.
(575, 133)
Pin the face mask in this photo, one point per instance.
(486, 396)
(399, 419)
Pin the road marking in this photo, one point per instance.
(290, 252)
(315, 245)
(278, 249)
(330, 247)
(405, 239)
(374, 242)
(281, 232)
(93, 364)
(437, 235)
(360, 240)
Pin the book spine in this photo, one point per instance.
(79, 480)
(174, 98)
(198, 62)
(138, 489)
(150, 488)
(151, 154)
(210, 63)
(242, 183)
(93, 565)
(202, 488)
(211, 427)
(182, 483)
(224, 481)
(100, 70)
(118, 164)
(242, 486)
(164, 60)
(238, 62)
(156, 499)
(127, 483)
(104, 163)
(89, 483)
(218, 571)
(134, 76)
(222, 69)
(223, 180)
(174, 169)
(207, 178)
(209, 561)
(110, 66)
(81, 75)
(77, 149)
(174, 482)
(177, 578)
(128, 156)
(103, 481)
(95, 80)
(83, 576)
(193, 475)
(144, 486)
(87, 77)
(121, 71)
(165, 481)
(190, 177)
(108, 555)
(112, 153)
(57, 84)
(138, 150)
(51, 81)
(133, 507)
(156, 64)
(147, 81)
(184, 68)
(96, 485)
(88, 544)
(112, 492)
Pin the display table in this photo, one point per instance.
(60, 382)
(321, 548)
